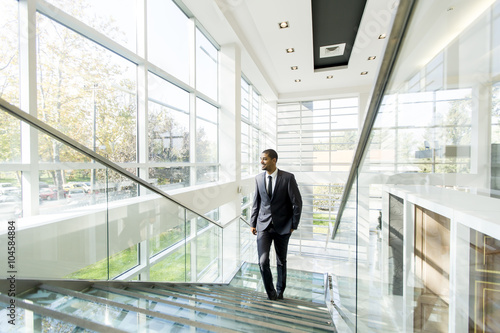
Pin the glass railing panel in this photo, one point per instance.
(173, 266)
(347, 252)
(87, 221)
(231, 248)
(204, 243)
(248, 242)
(167, 225)
(426, 207)
(57, 237)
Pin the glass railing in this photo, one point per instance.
(88, 218)
(424, 202)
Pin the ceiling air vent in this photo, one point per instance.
(331, 50)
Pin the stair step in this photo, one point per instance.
(45, 319)
(272, 311)
(189, 309)
(307, 286)
(261, 300)
(114, 314)
(119, 306)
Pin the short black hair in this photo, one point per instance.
(271, 153)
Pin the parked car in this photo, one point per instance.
(71, 185)
(76, 194)
(47, 194)
(10, 207)
(10, 191)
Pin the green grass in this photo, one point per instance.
(320, 223)
(175, 267)
(118, 263)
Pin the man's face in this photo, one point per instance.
(267, 163)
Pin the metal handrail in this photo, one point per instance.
(43, 127)
(244, 220)
(399, 26)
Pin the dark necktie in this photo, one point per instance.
(270, 186)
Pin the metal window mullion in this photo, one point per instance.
(28, 101)
(142, 143)
(70, 22)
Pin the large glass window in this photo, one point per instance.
(168, 121)
(318, 135)
(258, 128)
(10, 135)
(168, 38)
(206, 141)
(86, 91)
(103, 16)
(206, 66)
(424, 205)
(87, 66)
(433, 131)
(168, 132)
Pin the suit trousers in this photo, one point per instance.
(264, 240)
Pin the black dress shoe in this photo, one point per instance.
(273, 297)
(280, 296)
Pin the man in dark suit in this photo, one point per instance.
(276, 210)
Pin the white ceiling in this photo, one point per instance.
(253, 25)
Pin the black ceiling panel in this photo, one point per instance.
(335, 22)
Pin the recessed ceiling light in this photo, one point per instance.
(329, 77)
(294, 68)
(290, 50)
(372, 58)
(283, 25)
(382, 36)
(298, 80)
(364, 73)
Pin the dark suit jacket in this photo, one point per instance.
(283, 209)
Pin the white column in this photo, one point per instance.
(230, 113)
(459, 277)
(142, 92)
(142, 125)
(28, 103)
(408, 264)
(480, 151)
(192, 102)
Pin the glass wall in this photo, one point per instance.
(316, 141)
(424, 207)
(146, 99)
(258, 128)
(318, 135)
(90, 79)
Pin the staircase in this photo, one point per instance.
(301, 285)
(118, 306)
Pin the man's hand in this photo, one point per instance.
(254, 231)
